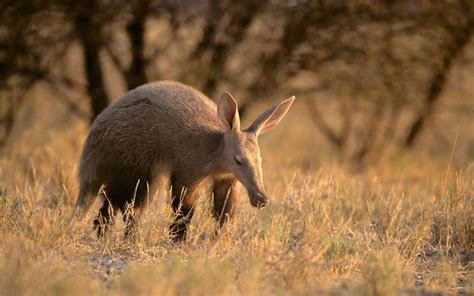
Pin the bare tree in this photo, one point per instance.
(358, 52)
(379, 61)
(461, 33)
(226, 25)
(25, 54)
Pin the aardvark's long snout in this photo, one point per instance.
(258, 199)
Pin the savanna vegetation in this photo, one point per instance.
(371, 174)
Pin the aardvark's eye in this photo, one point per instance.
(238, 159)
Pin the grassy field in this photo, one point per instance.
(403, 226)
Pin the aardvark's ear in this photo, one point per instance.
(270, 118)
(227, 112)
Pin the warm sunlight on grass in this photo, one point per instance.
(326, 232)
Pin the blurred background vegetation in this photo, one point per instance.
(371, 173)
(369, 76)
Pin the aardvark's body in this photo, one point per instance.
(168, 126)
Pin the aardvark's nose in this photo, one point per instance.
(259, 199)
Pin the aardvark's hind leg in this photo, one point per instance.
(131, 216)
(182, 201)
(104, 219)
(133, 206)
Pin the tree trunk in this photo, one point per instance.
(89, 36)
(242, 14)
(461, 39)
(7, 118)
(136, 74)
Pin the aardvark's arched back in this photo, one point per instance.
(168, 126)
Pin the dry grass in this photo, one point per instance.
(402, 227)
(327, 232)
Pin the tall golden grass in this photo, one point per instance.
(404, 226)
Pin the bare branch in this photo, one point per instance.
(317, 118)
(114, 57)
(462, 36)
(64, 87)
